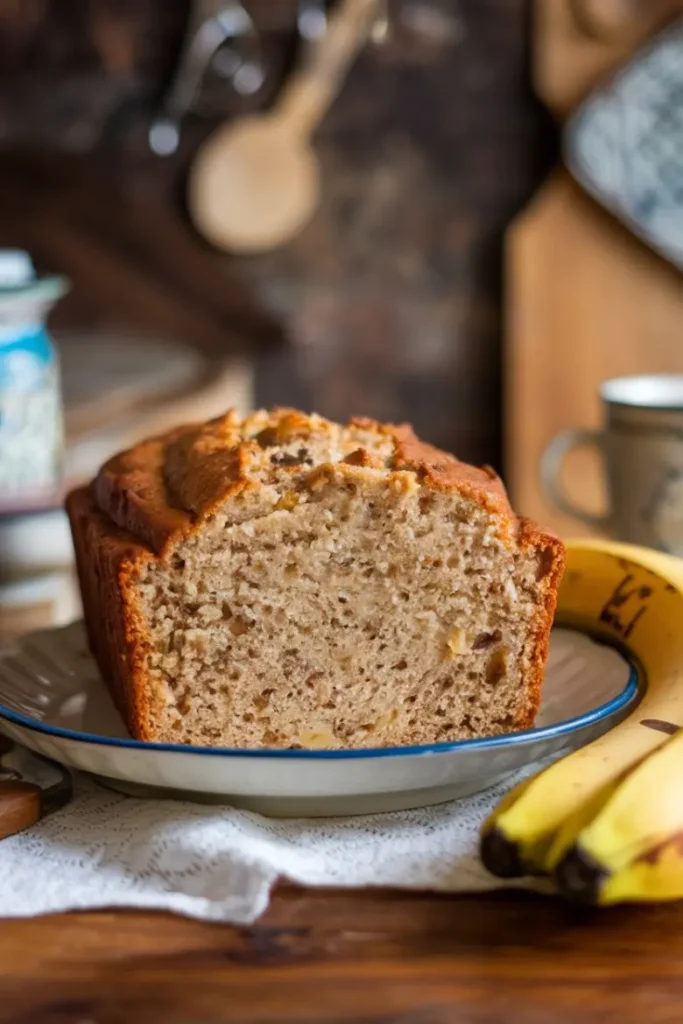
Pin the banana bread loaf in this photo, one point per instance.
(284, 581)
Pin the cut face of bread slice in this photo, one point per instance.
(360, 601)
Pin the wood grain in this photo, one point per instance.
(585, 301)
(351, 958)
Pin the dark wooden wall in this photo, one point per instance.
(389, 303)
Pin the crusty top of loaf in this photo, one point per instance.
(161, 490)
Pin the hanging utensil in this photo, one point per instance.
(213, 24)
(256, 182)
(311, 20)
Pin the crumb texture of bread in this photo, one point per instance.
(285, 581)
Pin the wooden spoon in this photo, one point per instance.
(256, 182)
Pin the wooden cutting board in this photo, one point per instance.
(579, 42)
(585, 300)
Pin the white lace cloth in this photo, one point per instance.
(220, 864)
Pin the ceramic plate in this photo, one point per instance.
(53, 701)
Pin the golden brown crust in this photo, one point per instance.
(148, 499)
(161, 490)
(108, 564)
(553, 557)
(444, 472)
(130, 491)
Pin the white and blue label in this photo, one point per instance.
(31, 433)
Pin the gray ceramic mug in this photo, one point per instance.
(641, 445)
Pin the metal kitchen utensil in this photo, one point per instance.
(213, 24)
(625, 144)
(311, 20)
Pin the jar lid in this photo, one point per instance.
(18, 279)
(16, 268)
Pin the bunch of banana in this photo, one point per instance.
(606, 822)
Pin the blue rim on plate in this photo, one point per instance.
(632, 691)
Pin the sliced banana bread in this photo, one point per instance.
(284, 581)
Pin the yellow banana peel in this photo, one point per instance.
(633, 597)
(653, 877)
(643, 812)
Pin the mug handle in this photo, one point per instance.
(551, 466)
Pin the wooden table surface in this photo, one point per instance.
(369, 957)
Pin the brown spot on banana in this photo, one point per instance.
(659, 725)
(675, 841)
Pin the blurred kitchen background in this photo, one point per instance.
(453, 271)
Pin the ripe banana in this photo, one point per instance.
(657, 875)
(638, 828)
(634, 597)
